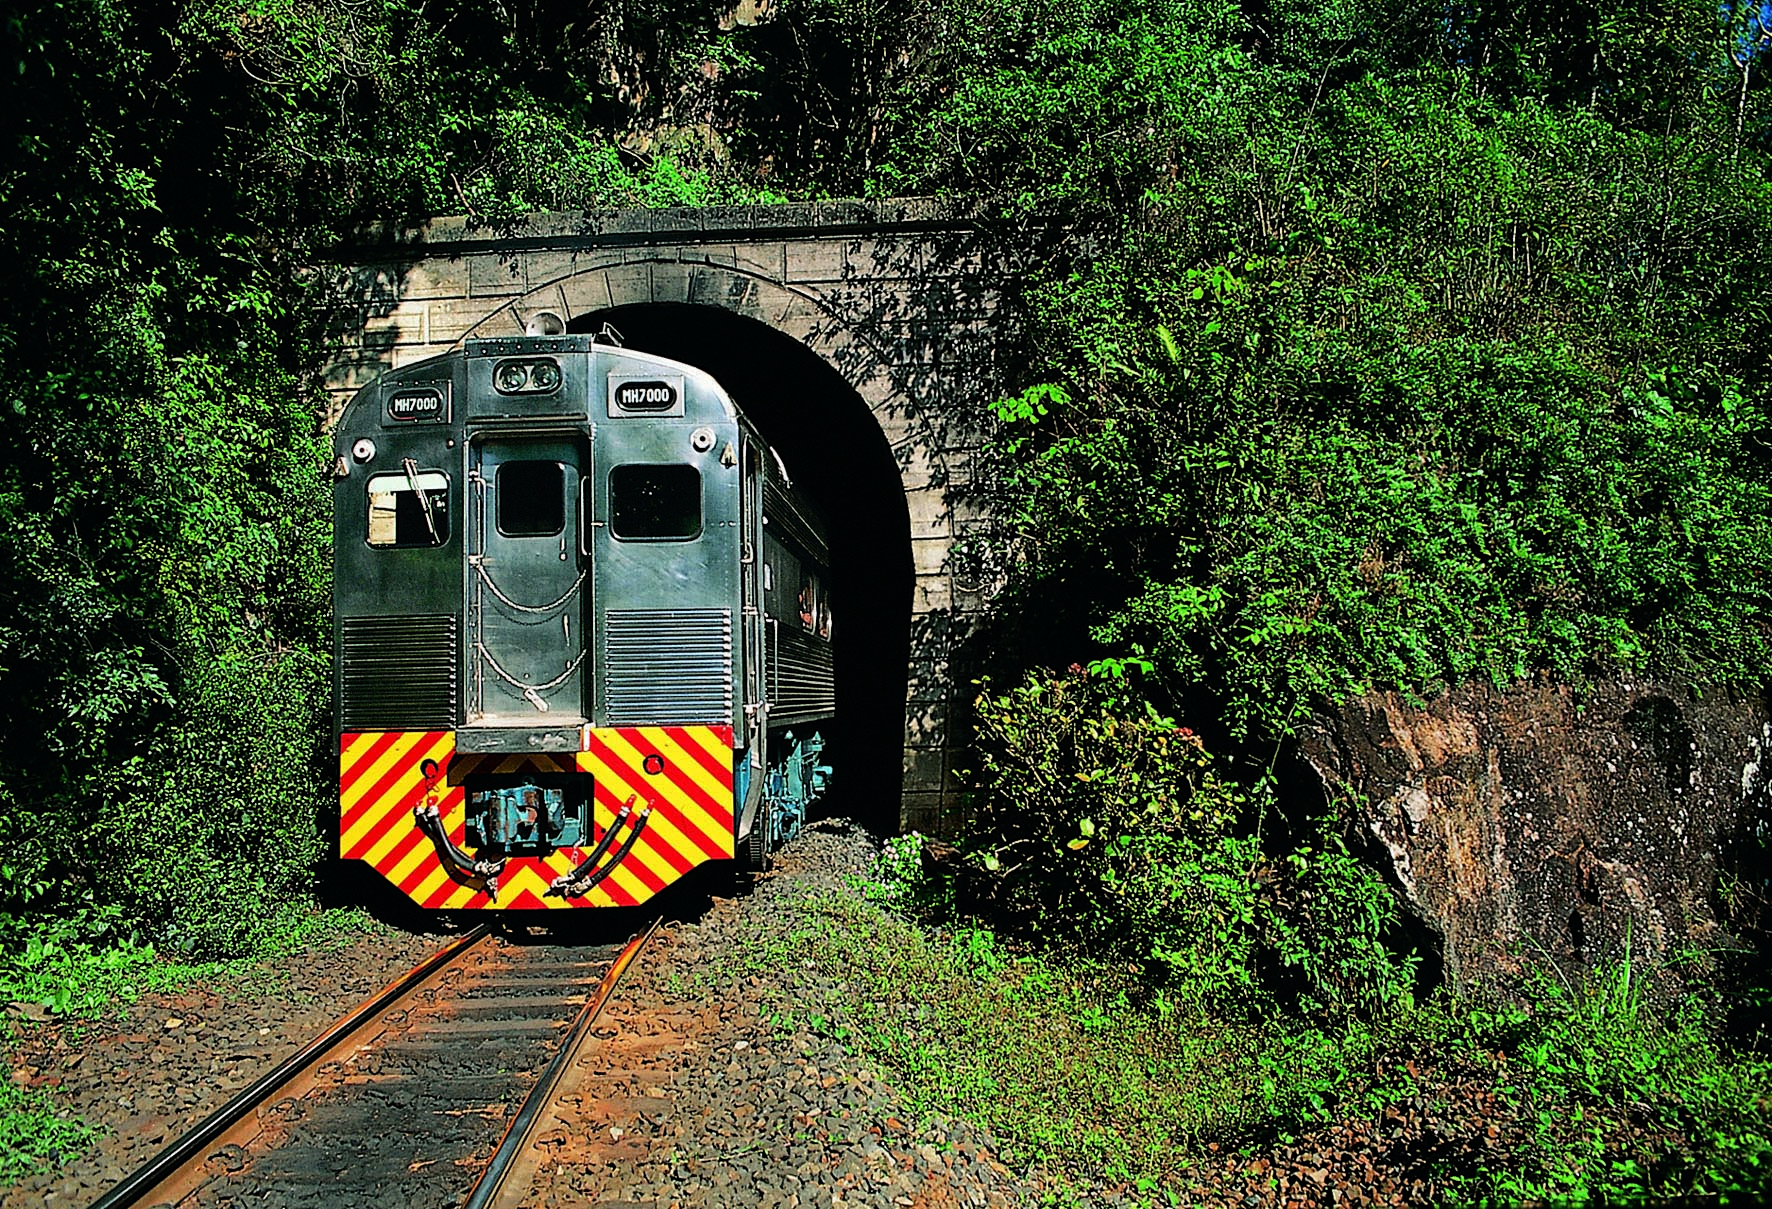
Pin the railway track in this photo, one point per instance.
(402, 1100)
(507, 1174)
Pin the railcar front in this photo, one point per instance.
(545, 548)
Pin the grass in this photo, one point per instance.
(1623, 1103)
(1056, 1062)
(1091, 1081)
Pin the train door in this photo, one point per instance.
(527, 582)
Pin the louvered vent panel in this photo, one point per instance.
(398, 673)
(804, 677)
(668, 667)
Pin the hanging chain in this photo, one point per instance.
(480, 569)
(556, 682)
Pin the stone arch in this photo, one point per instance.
(808, 315)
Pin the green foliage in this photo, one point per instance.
(70, 973)
(1629, 1105)
(83, 965)
(164, 639)
(34, 1136)
(1056, 1059)
(1595, 1097)
(1098, 819)
(1371, 359)
(898, 874)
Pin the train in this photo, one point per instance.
(583, 628)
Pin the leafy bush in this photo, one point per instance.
(84, 965)
(1098, 818)
(73, 973)
(1572, 1092)
(226, 846)
(1365, 360)
(164, 661)
(1377, 384)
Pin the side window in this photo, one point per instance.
(410, 509)
(781, 581)
(655, 503)
(815, 604)
(531, 498)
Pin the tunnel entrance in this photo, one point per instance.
(836, 452)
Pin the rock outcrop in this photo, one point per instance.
(1542, 823)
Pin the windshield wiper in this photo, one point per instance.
(410, 465)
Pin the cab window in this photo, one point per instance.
(655, 503)
(408, 509)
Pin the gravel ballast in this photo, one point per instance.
(697, 1091)
(706, 1087)
(160, 1066)
(725, 1072)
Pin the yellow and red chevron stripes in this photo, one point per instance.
(381, 780)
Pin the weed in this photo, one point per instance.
(1627, 1104)
(1102, 823)
(73, 978)
(74, 970)
(33, 1137)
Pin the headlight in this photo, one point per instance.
(544, 376)
(540, 376)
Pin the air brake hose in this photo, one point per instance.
(585, 878)
(621, 854)
(558, 886)
(431, 823)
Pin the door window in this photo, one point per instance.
(531, 499)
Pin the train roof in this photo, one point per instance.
(698, 395)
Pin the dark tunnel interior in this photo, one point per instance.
(836, 452)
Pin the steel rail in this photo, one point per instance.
(167, 1162)
(491, 1182)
